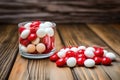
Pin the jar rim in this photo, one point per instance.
(23, 23)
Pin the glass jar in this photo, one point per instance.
(36, 39)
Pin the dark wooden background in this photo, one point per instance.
(60, 11)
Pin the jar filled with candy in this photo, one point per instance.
(36, 39)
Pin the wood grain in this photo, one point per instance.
(82, 35)
(42, 69)
(8, 51)
(109, 34)
(63, 11)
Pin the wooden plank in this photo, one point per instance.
(109, 34)
(8, 49)
(82, 35)
(61, 11)
(42, 69)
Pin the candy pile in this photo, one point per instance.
(36, 37)
(82, 56)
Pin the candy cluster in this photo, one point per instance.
(36, 37)
(82, 56)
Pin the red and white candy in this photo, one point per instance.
(36, 37)
(82, 56)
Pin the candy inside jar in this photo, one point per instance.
(36, 39)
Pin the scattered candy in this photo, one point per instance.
(106, 61)
(82, 56)
(60, 62)
(89, 63)
(111, 55)
(71, 62)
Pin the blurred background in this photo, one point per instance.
(60, 11)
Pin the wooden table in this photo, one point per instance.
(15, 67)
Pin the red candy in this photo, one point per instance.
(80, 57)
(35, 24)
(70, 53)
(54, 57)
(106, 61)
(81, 51)
(24, 42)
(99, 52)
(80, 61)
(60, 62)
(21, 29)
(97, 60)
(32, 37)
(48, 43)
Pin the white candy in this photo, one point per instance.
(105, 52)
(25, 33)
(89, 53)
(41, 33)
(90, 48)
(61, 54)
(42, 26)
(27, 25)
(49, 24)
(71, 62)
(89, 63)
(111, 55)
(49, 31)
(36, 41)
(23, 48)
(81, 47)
(74, 49)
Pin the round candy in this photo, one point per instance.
(25, 34)
(31, 48)
(42, 26)
(80, 61)
(74, 49)
(27, 25)
(89, 53)
(54, 57)
(60, 62)
(61, 54)
(97, 60)
(40, 47)
(89, 63)
(49, 31)
(32, 37)
(111, 55)
(49, 24)
(81, 47)
(71, 62)
(36, 41)
(23, 48)
(21, 29)
(70, 53)
(41, 33)
(90, 48)
(105, 52)
(99, 52)
(106, 61)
